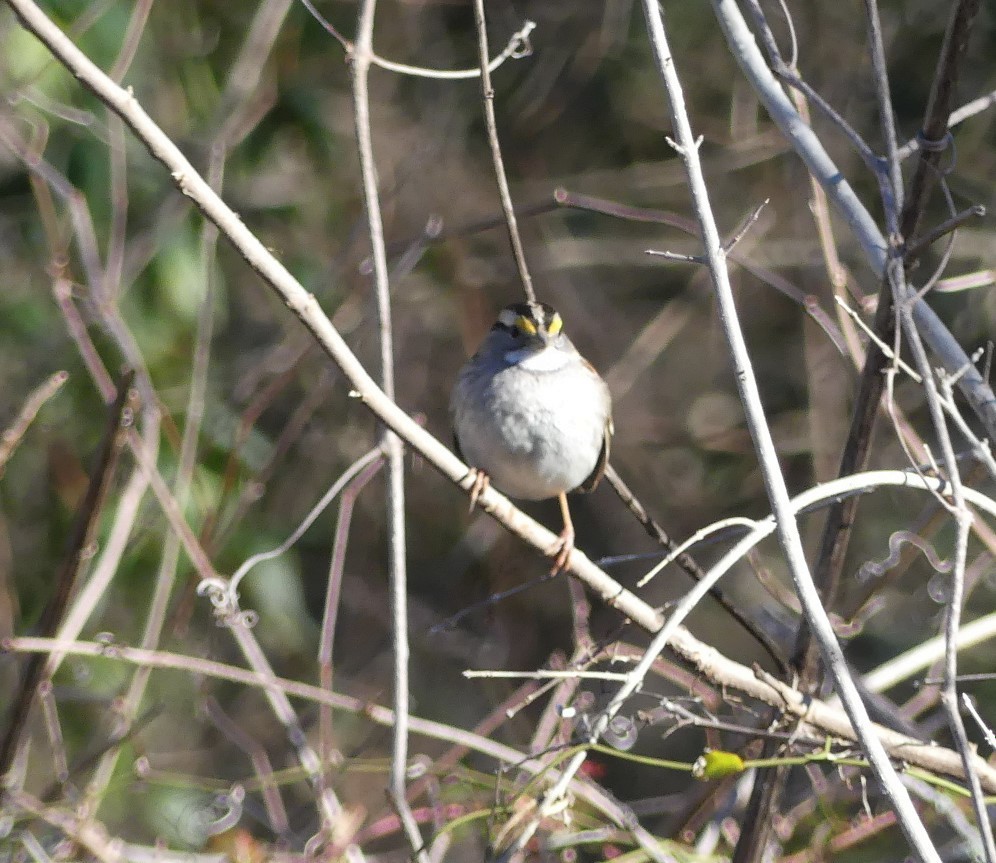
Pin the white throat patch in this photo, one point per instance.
(547, 360)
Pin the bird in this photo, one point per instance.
(531, 415)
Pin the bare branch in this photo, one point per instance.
(395, 495)
(90, 509)
(488, 95)
(14, 433)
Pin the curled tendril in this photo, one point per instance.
(621, 733)
(873, 569)
(932, 145)
(224, 812)
(521, 46)
(233, 617)
(216, 590)
(418, 768)
(315, 845)
(225, 601)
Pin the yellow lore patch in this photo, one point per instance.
(526, 325)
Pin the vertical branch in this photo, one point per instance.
(362, 53)
(87, 515)
(488, 95)
(787, 528)
(937, 117)
(330, 615)
(894, 203)
(841, 516)
(118, 156)
(903, 298)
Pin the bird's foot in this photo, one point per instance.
(481, 483)
(562, 548)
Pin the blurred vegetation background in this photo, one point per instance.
(585, 113)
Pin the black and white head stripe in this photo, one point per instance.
(529, 319)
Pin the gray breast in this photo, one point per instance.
(536, 434)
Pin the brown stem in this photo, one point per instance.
(87, 515)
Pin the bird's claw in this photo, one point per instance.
(481, 483)
(562, 548)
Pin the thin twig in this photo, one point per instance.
(56, 741)
(730, 244)
(112, 550)
(391, 444)
(167, 570)
(118, 228)
(14, 433)
(986, 730)
(810, 149)
(62, 290)
(914, 248)
(902, 298)
(790, 75)
(518, 47)
(337, 563)
(488, 96)
(81, 831)
(245, 73)
(118, 154)
(703, 658)
(959, 115)
(262, 767)
(232, 587)
(689, 565)
(131, 40)
(90, 509)
(787, 528)
(686, 225)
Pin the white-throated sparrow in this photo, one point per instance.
(531, 414)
